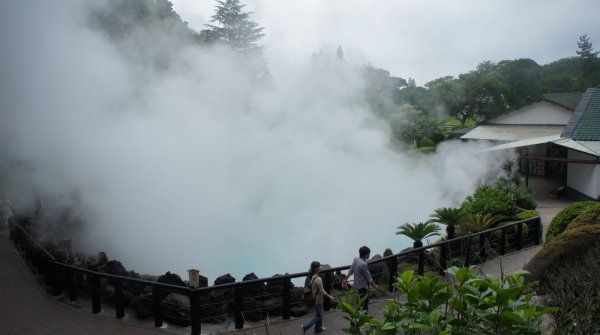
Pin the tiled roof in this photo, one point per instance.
(568, 100)
(585, 123)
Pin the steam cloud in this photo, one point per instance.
(192, 166)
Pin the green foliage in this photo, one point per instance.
(233, 27)
(418, 231)
(590, 216)
(527, 214)
(448, 216)
(425, 142)
(490, 200)
(563, 218)
(466, 304)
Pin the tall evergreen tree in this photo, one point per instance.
(233, 27)
(585, 48)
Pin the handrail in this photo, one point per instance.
(194, 293)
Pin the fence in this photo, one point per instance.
(240, 300)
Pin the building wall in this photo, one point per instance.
(539, 113)
(583, 178)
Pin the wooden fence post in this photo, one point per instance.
(238, 304)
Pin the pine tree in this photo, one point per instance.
(585, 48)
(233, 27)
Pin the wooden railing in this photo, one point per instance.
(462, 251)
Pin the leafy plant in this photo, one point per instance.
(463, 305)
(418, 231)
(448, 216)
(490, 200)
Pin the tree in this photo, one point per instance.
(524, 81)
(451, 217)
(234, 28)
(585, 48)
(418, 231)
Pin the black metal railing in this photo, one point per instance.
(462, 251)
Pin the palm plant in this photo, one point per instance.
(479, 221)
(418, 231)
(451, 217)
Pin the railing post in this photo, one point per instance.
(482, 253)
(503, 241)
(467, 261)
(156, 307)
(421, 255)
(520, 236)
(96, 304)
(393, 270)
(287, 284)
(119, 299)
(327, 284)
(55, 275)
(443, 258)
(195, 312)
(537, 231)
(238, 298)
(71, 285)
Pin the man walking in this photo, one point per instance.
(362, 276)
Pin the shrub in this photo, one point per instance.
(465, 304)
(490, 200)
(574, 289)
(560, 222)
(568, 248)
(589, 216)
(527, 214)
(523, 197)
(426, 142)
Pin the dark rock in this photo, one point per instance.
(379, 271)
(115, 268)
(171, 279)
(253, 310)
(273, 305)
(176, 309)
(253, 290)
(142, 305)
(224, 279)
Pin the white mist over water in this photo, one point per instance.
(194, 167)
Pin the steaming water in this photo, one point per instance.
(194, 167)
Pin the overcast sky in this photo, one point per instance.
(421, 39)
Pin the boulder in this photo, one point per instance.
(176, 309)
(253, 290)
(171, 279)
(379, 271)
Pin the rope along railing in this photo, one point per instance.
(436, 258)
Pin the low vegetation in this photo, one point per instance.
(464, 304)
(561, 221)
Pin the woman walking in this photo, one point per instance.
(316, 285)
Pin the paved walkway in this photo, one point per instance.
(25, 308)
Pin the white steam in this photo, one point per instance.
(193, 166)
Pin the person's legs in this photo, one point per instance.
(319, 316)
(317, 319)
(364, 292)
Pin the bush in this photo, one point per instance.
(490, 200)
(426, 142)
(560, 222)
(527, 214)
(523, 197)
(574, 289)
(589, 216)
(568, 248)
(464, 304)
